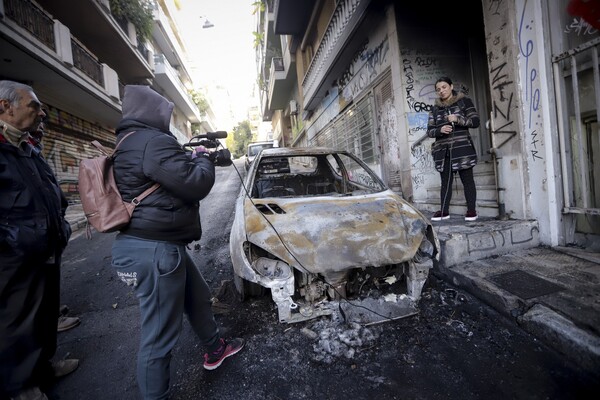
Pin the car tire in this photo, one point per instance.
(247, 289)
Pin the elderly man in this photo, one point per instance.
(33, 234)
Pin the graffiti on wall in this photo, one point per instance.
(531, 95)
(580, 27)
(367, 64)
(421, 67)
(67, 141)
(502, 102)
(494, 6)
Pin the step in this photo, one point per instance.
(487, 237)
(484, 192)
(485, 208)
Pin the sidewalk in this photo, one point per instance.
(75, 217)
(553, 294)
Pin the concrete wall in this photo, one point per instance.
(502, 52)
(523, 112)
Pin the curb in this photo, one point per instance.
(562, 334)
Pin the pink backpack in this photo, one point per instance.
(102, 204)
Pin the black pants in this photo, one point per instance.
(466, 176)
(29, 302)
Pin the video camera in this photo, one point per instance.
(209, 140)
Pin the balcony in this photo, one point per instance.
(40, 50)
(341, 40)
(292, 16)
(281, 82)
(267, 114)
(167, 42)
(168, 79)
(84, 61)
(113, 42)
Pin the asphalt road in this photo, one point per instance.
(454, 348)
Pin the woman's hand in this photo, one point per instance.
(446, 129)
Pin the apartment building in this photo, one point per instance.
(78, 56)
(360, 75)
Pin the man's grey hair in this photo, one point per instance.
(9, 91)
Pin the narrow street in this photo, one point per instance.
(455, 348)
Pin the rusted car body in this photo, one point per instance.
(314, 224)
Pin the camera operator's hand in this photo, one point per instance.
(199, 151)
(221, 158)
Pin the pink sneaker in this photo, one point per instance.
(215, 359)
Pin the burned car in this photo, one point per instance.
(316, 225)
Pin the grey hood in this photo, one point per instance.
(143, 104)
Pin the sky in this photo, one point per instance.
(223, 55)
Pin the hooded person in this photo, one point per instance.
(150, 253)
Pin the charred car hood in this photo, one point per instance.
(328, 234)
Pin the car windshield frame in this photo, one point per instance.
(306, 174)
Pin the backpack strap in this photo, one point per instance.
(136, 200)
(106, 151)
(124, 137)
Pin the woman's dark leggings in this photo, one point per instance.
(466, 176)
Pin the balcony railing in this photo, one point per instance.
(32, 18)
(86, 62)
(123, 23)
(278, 64)
(344, 11)
(143, 49)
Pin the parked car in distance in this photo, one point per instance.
(254, 148)
(315, 225)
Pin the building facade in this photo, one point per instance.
(360, 75)
(78, 57)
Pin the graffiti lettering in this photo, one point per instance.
(422, 107)
(348, 74)
(408, 74)
(365, 66)
(499, 80)
(580, 27)
(502, 106)
(425, 62)
(494, 6)
(534, 142)
(532, 91)
(423, 160)
(418, 181)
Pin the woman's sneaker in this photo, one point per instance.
(471, 216)
(438, 216)
(215, 359)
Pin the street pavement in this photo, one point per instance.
(552, 293)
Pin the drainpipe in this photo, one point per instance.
(497, 156)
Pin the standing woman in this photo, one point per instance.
(449, 122)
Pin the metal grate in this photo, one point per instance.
(524, 284)
(351, 131)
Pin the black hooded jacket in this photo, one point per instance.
(152, 154)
